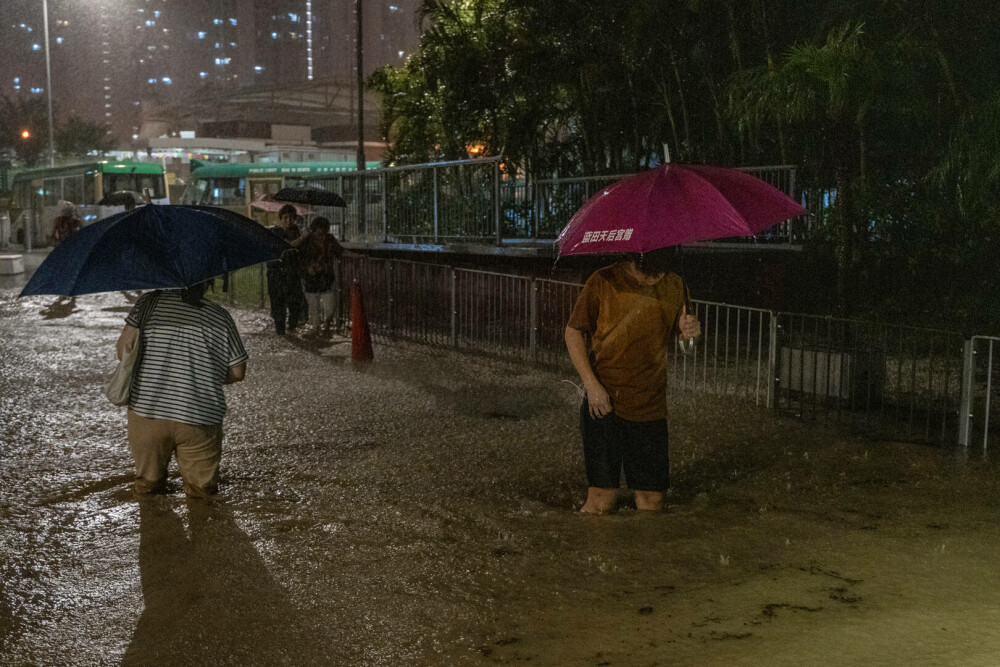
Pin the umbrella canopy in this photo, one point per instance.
(122, 198)
(672, 205)
(154, 247)
(311, 196)
(266, 202)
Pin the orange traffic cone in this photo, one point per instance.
(361, 339)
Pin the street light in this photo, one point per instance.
(48, 83)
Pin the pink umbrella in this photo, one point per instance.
(265, 202)
(672, 205)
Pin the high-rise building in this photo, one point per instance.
(111, 58)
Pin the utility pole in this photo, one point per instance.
(48, 84)
(361, 88)
(360, 192)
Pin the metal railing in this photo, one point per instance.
(981, 374)
(474, 202)
(885, 381)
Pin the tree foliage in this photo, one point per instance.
(887, 107)
(75, 138)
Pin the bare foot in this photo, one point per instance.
(599, 501)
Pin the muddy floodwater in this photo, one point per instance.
(422, 511)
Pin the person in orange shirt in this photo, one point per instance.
(632, 311)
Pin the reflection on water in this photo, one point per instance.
(208, 594)
(63, 306)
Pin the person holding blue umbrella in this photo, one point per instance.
(189, 346)
(190, 350)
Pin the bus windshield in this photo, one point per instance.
(136, 182)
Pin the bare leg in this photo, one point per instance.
(599, 501)
(649, 500)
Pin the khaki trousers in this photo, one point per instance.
(198, 448)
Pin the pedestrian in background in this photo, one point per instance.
(66, 224)
(633, 311)
(284, 289)
(190, 348)
(318, 264)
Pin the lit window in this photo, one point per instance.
(232, 44)
(150, 22)
(200, 75)
(59, 40)
(401, 53)
(218, 46)
(258, 68)
(36, 47)
(201, 35)
(167, 80)
(17, 79)
(153, 80)
(17, 87)
(222, 61)
(232, 21)
(393, 8)
(274, 35)
(217, 21)
(156, 13)
(294, 18)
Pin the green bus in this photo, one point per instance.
(38, 194)
(237, 186)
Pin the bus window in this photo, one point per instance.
(51, 191)
(224, 192)
(73, 189)
(134, 182)
(89, 189)
(194, 193)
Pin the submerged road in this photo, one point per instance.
(421, 511)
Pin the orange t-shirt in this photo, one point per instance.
(631, 327)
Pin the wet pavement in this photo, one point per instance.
(422, 511)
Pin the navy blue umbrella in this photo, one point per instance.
(154, 247)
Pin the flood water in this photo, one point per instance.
(422, 511)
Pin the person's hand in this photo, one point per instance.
(598, 400)
(689, 325)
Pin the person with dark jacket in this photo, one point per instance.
(288, 303)
(319, 254)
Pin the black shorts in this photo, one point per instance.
(612, 443)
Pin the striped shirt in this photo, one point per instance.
(185, 359)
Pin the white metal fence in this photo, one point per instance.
(980, 375)
(884, 381)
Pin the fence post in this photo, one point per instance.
(389, 291)
(385, 208)
(454, 308)
(772, 361)
(965, 404)
(435, 170)
(496, 200)
(261, 282)
(533, 324)
(533, 190)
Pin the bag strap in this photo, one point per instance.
(148, 310)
